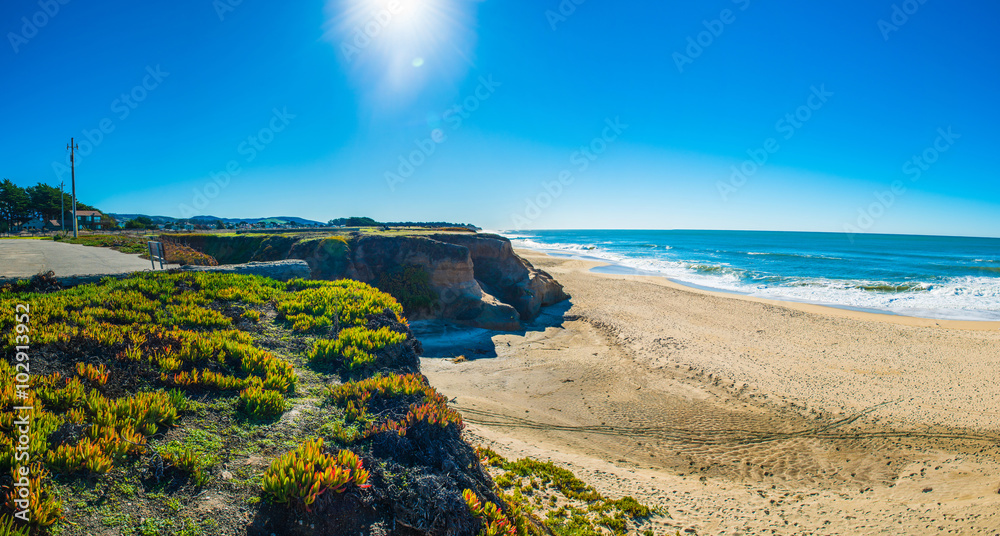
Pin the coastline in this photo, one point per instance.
(814, 308)
(741, 415)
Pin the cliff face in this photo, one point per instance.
(451, 276)
(478, 280)
(507, 276)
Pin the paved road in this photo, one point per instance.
(25, 258)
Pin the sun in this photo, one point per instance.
(398, 45)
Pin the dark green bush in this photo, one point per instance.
(411, 287)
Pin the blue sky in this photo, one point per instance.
(315, 103)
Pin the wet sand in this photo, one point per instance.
(739, 415)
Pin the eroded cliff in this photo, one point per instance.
(473, 279)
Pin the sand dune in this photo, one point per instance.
(742, 416)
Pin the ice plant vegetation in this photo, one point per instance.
(353, 346)
(494, 522)
(166, 375)
(358, 398)
(261, 403)
(573, 507)
(302, 475)
(339, 303)
(179, 333)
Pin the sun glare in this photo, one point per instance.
(397, 47)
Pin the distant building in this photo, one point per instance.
(34, 226)
(88, 220)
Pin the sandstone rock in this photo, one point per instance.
(452, 277)
(504, 274)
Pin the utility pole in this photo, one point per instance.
(72, 173)
(62, 209)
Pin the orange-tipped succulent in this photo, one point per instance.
(302, 475)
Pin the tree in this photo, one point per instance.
(355, 221)
(15, 205)
(219, 224)
(108, 222)
(45, 201)
(140, 222)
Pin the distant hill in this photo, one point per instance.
(212, 219)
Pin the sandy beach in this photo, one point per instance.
(738, 415)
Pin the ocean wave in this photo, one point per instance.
(891, 287)
(712, 268)
(964, 298)
(792, 255)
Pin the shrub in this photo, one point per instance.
(353, 347)
(629, 506)
(494, 522)
(345, 302)
(358, 396)
(183, 255)
(410, 285)
(186, 460)
(45, 509)
(97, 375)
(302, 475)
(61, 399)
(84, 456)
(278, 375)
(563, 480)
(261, 403)
(9, 528)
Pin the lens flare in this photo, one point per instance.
(397, 48)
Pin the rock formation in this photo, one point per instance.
(477, 278)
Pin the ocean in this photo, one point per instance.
(924, 276)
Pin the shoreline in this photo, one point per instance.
(815, 308)
(739, 416)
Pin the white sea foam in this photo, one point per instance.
(960, 298)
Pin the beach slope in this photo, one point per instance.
(741, 416)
